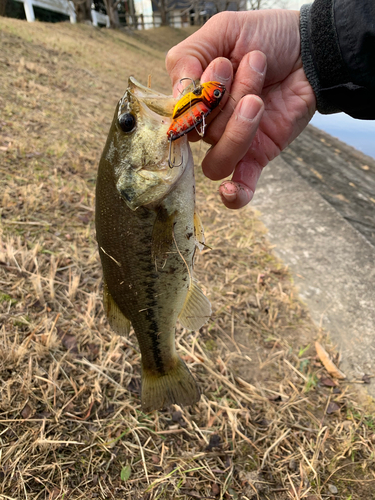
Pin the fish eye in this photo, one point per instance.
(126, 122)
(217, 93)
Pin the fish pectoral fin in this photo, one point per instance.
(176, 386)
(117, 320)
(198, 231)
(162, 234)
(196, 310)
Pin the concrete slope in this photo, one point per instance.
(341, 174)
(332, 263)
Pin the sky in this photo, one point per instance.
(358, 133)
(297, 4)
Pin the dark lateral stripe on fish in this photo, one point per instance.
(154, 333)
(156, 347)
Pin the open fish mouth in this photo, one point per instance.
(143, 172)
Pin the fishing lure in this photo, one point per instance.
(189, 120)
(210, 93)
(191, 110)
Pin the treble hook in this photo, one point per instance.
(191, 79)
(203, 126)
(170, 162)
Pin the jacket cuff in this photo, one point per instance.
(325, 53)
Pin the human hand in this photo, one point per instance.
(257, 56)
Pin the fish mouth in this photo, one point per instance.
(146, 186)
(146, 176)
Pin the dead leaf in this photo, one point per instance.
(170, 468)
(327, 363)
(215, 442)
(177, 416)
(366, 379)
(328, 382)
(332, 408)
(215, 489)
(27, 411)
(54, 493)
(70, 343)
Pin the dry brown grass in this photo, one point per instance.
(271, 424)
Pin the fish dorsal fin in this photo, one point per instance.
(198, 231)
(117, 320)
(162, 234)
(196, 310)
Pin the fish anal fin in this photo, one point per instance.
(176, 386)
(196, 310)
(162, 234)
(117, 320)
(198, 231)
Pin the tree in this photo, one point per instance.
(164, 7)
(3, 7)
(111, 6)
(83, 10)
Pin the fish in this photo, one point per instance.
(147, 229)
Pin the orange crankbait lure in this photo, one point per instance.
(191, 110)
(210, 93)
(189, 120)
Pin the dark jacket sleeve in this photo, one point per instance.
(338, 55)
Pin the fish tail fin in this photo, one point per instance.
(176, 386)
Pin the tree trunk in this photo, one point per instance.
(112, 13)
(3, 7)
(196, 13)
(163, 13)
(83, 10)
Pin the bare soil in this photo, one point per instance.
(271, 423)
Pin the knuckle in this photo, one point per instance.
(236, 139)
(171, 58)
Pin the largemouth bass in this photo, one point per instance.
(146, 229)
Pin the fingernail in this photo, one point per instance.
(258, 61)
(231, 197)
(223, 70)
(229, 191)
(234, 192)
(249, 108)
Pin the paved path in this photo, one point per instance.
(333, 264)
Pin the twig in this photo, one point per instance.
(142, 455)
(273, 446)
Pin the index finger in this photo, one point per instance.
(192, 56)
(188, 66)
